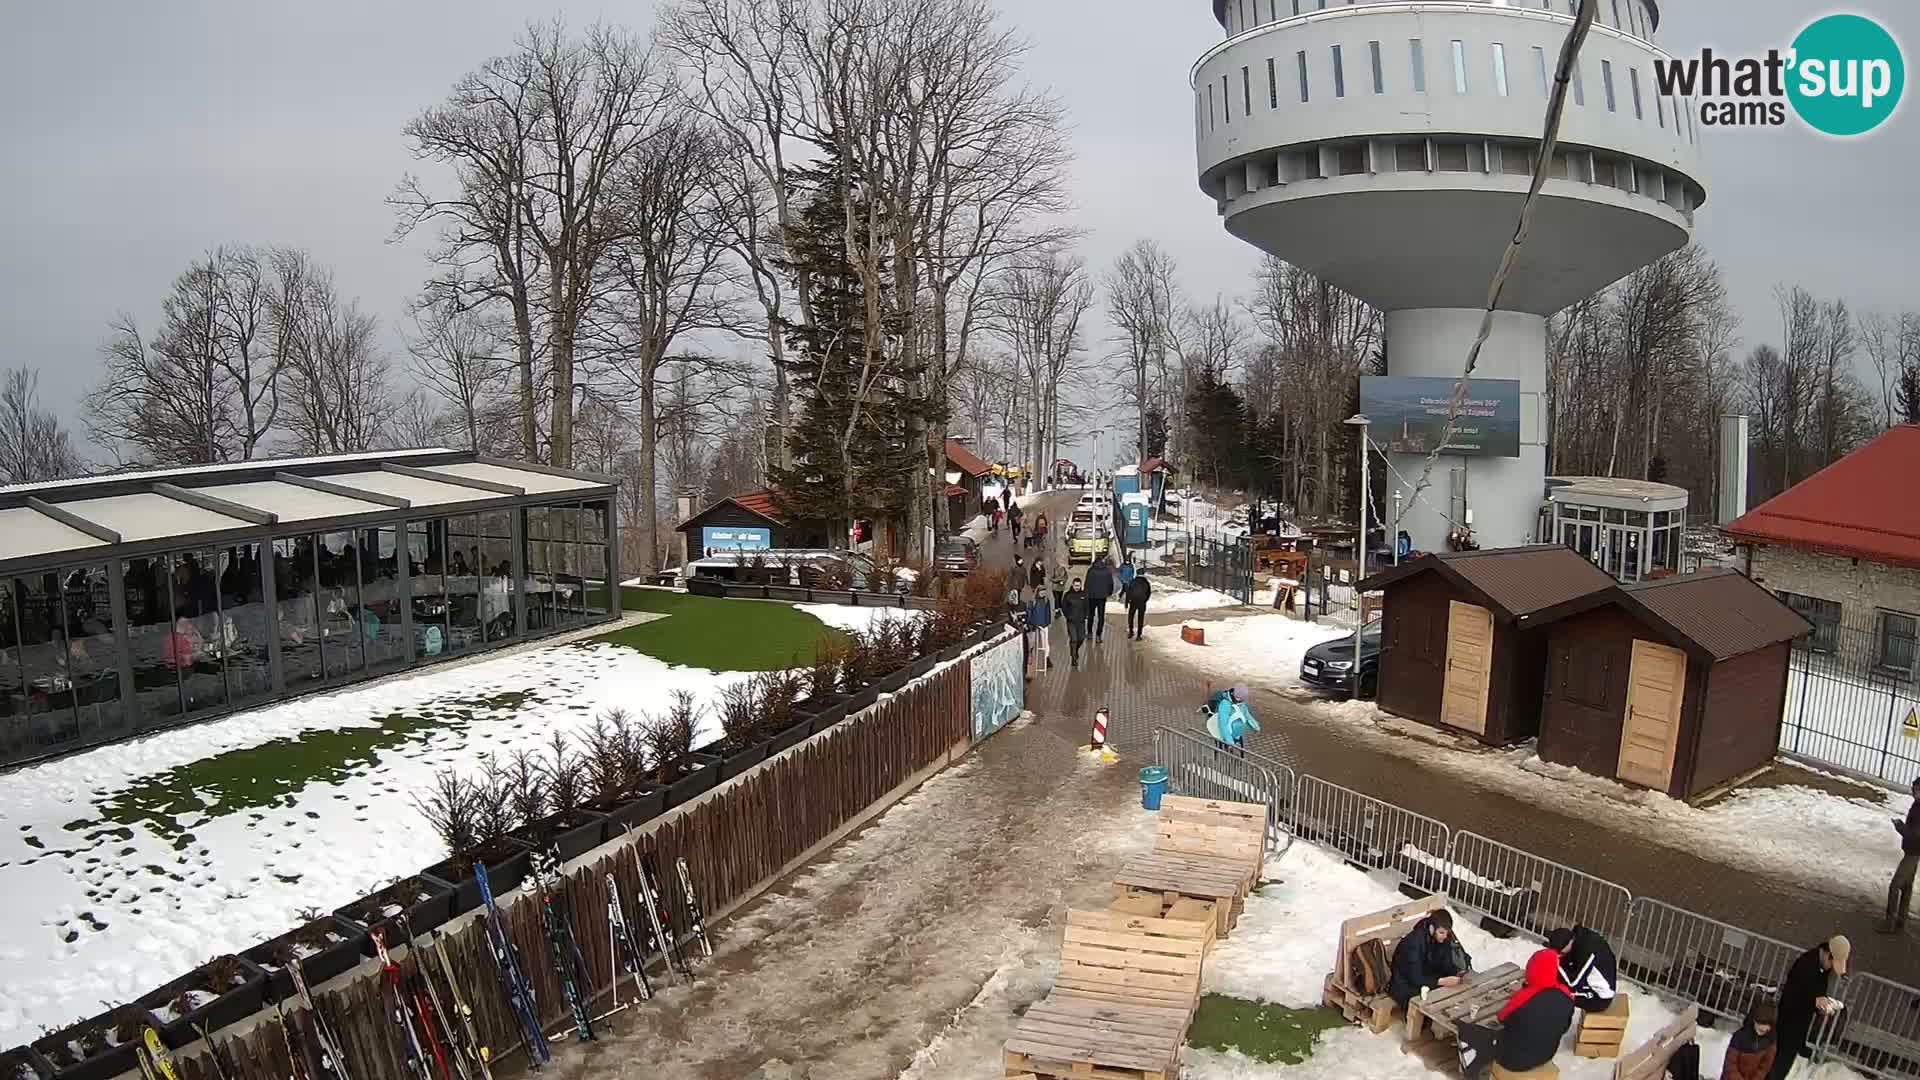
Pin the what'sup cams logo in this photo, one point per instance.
(1843, 76)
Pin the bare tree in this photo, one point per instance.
(1141, 305)
(166, 401)
(1041, 303)
(336, 380)
(33, 445)
(456, 356)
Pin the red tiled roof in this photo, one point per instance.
(1152, 464)
(760, 502)
(955, 489)
(1861, 506)
(966, 460)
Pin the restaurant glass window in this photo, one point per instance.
(563, 554)
(496, 574)
(93, 659)
(243, 613)
(296, 589)
(48, 709)
(13, 685)
(344, 622)
(380, 599)
(198, 644)
(427, 579)
(156, 681)
(538, 583)
(463, 583)
(595, 555)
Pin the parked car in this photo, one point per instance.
(1084, 542)
(1329, 665)
(956, 555)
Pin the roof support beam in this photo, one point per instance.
(449, 478)
(548, 470)
(328, 487)
(228, 508)
(73, 521)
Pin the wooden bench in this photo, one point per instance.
(1478, 1000)
(1213, 828)
(1386, 927)
(1119, 1010)
(1172, 877)
(1648, 1061)
(1601, 1033)
(1155, 906)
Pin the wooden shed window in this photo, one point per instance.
(1583, 681)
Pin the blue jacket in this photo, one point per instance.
(1124, 575)
(1040, 612)
(1231, 720)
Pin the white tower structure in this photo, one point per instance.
(1386, 146)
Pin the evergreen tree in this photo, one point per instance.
(1219, 420)
(1156, 432)
(1906, 395)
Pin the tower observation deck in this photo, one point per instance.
(1387, 147)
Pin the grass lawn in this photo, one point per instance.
(1270, 1033)
(720, 634)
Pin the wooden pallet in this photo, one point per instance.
(1387, 927)
(1601, 1033)
(1476, 1001)
(1214, 828)
(1173, 877)
(1374, 1010)
(1131, 960)
(1185, 908)
(1079, 1039)
(1648, 1061)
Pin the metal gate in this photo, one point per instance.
(1221, 564)
(1878, 1032)
(1371, 833)
(1531, 894)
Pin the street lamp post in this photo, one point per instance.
(1395, 538)
(1358, 422)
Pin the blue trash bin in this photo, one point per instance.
(1153, 784)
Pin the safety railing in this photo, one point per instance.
(1877, 1031)
(1371, 833)
(1204, 769)
(1718, 966)
(1530, 894)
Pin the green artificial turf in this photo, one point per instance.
(1270, 1033)
(721, 634)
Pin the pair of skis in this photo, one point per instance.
(513, 981)
(569, 965)
(417, 1035)
(632, 951)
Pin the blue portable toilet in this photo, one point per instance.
(1126, 479)
(1133, 519)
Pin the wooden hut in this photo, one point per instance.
(1677, 685)
(1460, 648)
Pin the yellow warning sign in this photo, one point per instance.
(1910, 727)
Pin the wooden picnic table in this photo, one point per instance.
(1174, 876)
(1476, 1000)
(1069, 1037)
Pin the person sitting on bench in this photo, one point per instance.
(1429, 957)
(1532, 1023)
(1587, 966)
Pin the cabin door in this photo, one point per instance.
(1463, 702)
(1650, 731)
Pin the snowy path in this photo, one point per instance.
(946, 905)
(123, 867)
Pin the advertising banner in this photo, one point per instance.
(716, 538)
(1409, 414)
(999, 691)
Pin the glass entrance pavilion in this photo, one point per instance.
(1632, 529)
(141, 601)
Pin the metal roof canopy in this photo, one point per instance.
(140, 513)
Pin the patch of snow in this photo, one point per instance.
(862, 618)
(1167, 598)
(1271, 645)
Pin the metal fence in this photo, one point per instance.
(1531, 894)
(1371, 833)
(1849, 692)
(1203, 769)
(1718, 966)
(1878, 1032)
(1223, 564)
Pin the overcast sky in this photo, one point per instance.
(138, 135)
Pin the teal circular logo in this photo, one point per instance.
(1846, 75)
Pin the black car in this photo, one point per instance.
(1329, 665)
(956, 555)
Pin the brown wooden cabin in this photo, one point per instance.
(1459, 648)
(1677, 685)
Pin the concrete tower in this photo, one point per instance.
(1386, 147)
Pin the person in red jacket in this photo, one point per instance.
(1532, 1023)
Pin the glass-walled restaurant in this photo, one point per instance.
(119, 636)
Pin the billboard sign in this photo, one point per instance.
(1409, 414)
(716, 538)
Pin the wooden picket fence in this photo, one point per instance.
(735, 840)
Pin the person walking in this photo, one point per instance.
(1139, 591)
(1099, 587)
(1059, 581)
(1039, 625)
(1013, 520)
(1074, 607)
(1037, 575)
(1900, 891)
(1123, 576)
(1804, 997)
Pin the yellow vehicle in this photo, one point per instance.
(1084, 543)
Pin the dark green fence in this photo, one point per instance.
(1224, 564)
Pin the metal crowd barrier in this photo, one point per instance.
(1371, 833)
(1877, 1032)
(1716, 965)
(1201, 768)
(1530, 894)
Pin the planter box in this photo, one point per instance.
(791, 737)
(102, 1065)
(921, 666)
(23, 1062)
(639, 810)
(698, 586)
(702, 774)
(571, 835)
(507, 862)
(233, 1006)
(734, 764)
(893, 681)
(861, 699)
(324, 961)
(826, 718)
(427, 902)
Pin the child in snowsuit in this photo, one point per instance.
(1231, 719)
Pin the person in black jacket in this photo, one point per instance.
(1074, 606)
(1532, 1023)
(1100, 586)
(1427, 958)
(1900, 891)
(1139, 591)
(1803, 996)
(1587, 966)
(1037, 576)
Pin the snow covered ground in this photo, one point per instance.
(1170, 594)
(844, 617)
(1832, 843)
(126, 866)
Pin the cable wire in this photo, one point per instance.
(1549, 140)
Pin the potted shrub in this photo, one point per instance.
(615, 768)
(97, 1048)
(893, 652)
(675, 765)
(472, 818)
(425, 901)
(222, 991)
(547, 795)
(859, 669)
(23, 1063)
(325, 947)
(742, 717)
